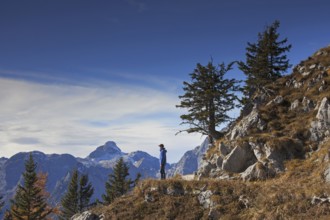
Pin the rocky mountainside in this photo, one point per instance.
(273, 163)
(289, 120)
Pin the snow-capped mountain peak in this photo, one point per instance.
(107, 151)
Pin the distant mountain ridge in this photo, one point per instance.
(191, 161)
(98, 165)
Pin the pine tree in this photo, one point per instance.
(118, 184)
(8, 215)
(29, 202)
(1, 203)
(77, 197)
(85, 192)
(208, 97)
(41, 184)
(265, 60)
(71, 198)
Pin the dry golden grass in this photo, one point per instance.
(295, 124)
(287, 196)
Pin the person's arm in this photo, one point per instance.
(161, 158)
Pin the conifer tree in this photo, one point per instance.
(86, 191)
(8, 215)
(41, 184)
(265, 60)
(70, 200)
(29, 203)
(208, 98)
(1, 203)
(77, 196)
(118, 184)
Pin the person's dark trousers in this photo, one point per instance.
(162, 172)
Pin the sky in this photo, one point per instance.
(75, 74)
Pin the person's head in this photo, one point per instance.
(161, 145)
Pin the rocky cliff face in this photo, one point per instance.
(289, 119)
(190, 162)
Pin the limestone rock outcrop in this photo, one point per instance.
(258, 171)
(87, 215)
(240, 158)
(327, 174)
(320, 128)
(242, 128)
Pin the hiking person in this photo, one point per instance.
(162, 161)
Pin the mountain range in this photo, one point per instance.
(98, 165)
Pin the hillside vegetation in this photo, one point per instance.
(296, 194)
(273, 163)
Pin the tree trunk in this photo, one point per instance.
(214, 133)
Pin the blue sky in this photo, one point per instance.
(77, 73)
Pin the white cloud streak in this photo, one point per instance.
(75, 119)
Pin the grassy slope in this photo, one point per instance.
(288, 196)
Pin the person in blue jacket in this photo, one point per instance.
(162, 161)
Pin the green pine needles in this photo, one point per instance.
(265, 60)
(85, 192)
(29, 203)
(208, 98)
(77, 196)
(118, 183)
(1, 203)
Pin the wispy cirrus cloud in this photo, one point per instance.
(33, 75)
(155, 80)
(71, 118)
